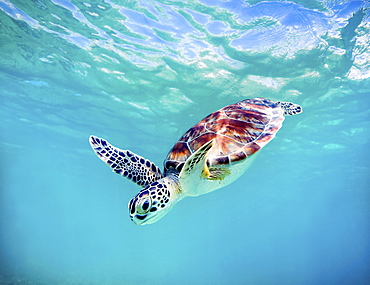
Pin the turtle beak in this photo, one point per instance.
(141, 220)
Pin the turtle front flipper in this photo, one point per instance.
(126, 163)
(195, 170)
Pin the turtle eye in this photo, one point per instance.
(144, 205)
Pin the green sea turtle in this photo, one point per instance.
(210, 155)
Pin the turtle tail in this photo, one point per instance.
(290, 109)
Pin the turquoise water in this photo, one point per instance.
(140, 73)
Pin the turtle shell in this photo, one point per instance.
(239, 130)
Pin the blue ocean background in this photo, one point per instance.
(140, 73)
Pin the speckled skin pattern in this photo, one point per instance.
(126, 163)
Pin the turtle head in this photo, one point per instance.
(152, 203)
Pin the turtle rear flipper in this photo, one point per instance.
(290, 108)
(126, 163)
